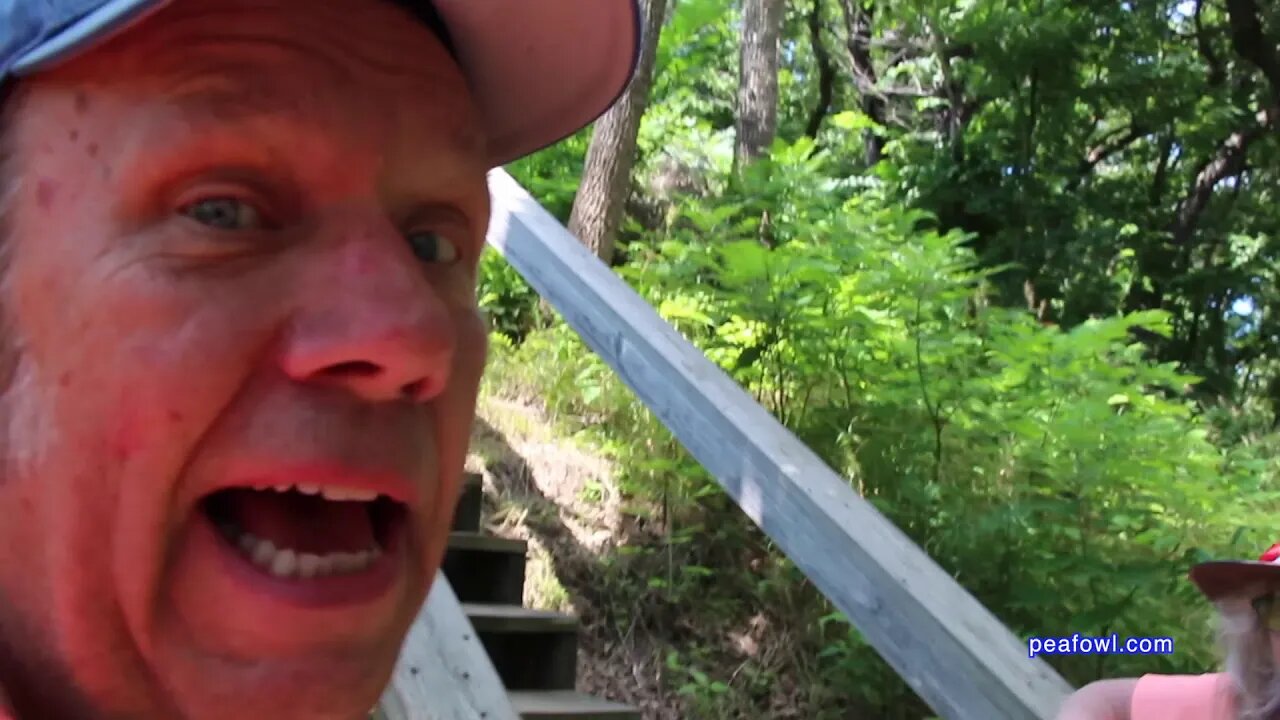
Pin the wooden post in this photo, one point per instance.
(444, 672)
(949, 648)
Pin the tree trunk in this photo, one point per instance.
(758, 79)
(859, 16)
(1252, 43)
(606, 176)
(826, 72)
(1161, 262)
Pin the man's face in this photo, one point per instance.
(240, 302)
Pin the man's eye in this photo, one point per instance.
(224, 214)
(432, 247)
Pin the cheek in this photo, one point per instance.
(62, 510)
(455, 409)
(125, 375)
(151, 376)
(471, 353)
(175, 380)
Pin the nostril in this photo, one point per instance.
(377, 381)
(413, 390)
(359, 368)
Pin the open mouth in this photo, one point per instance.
(302, 532)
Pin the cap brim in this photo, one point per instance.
(1220, 578)
(538, 71)
(94, 27)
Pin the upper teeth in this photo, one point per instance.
(337, 494)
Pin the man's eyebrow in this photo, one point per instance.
(215, 97)
(264, 121)
(221, 96)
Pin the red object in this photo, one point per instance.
(1271, 554)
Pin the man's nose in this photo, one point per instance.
(370, 322)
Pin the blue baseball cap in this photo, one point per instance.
(539, 70)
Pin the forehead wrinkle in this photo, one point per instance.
(344, 66)
(288, 89)
(250, 81)
(398, 55)
(281, 122)
(402, 55)
(231, 97)
(242, 61)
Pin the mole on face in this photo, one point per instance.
(74, 135)
(81, 103)
(93, 149)
(45, 191)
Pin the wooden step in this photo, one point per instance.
(568, 705)
(466, 517)
(500, 617)
(531, 649)
(466, 540)
(485, 568)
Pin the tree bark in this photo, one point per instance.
(606, 176)
(826, 72)
(1113, 143)
(1253, 44)
(757, 121)
(1229, 160)
(1160, 181)
(859, 16)
(1217, 76)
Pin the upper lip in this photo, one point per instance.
(396, 486)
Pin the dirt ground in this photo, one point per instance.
(559, 498)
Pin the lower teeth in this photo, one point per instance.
(289, 563)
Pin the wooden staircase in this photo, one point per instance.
(534, 651)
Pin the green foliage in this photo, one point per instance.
(552, 174)
(1082, 128)
(707, 696)
(1010, 332)
(1064, 478)
(506, 299)
(1067, 479)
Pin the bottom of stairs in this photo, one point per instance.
(567, 705)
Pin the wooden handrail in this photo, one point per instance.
(949, 648)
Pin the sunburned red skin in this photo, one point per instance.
(154, 356)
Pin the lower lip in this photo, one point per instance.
(331, 591)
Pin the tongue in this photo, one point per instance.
(305, 523)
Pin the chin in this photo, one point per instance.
(238, 644)
(336, 687)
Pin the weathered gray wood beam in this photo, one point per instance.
(949, 648)
(444, 672)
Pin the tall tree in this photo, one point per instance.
(757, 117)
(606, 176)
(858, 18)
(826, 71)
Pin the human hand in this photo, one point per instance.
(1100, 700)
